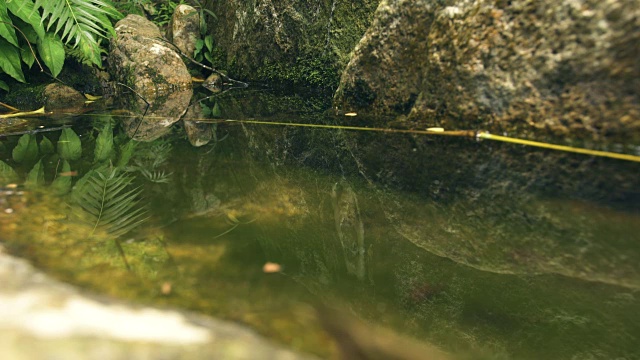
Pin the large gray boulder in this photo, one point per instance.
(563, 66)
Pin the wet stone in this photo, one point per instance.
(41, 318)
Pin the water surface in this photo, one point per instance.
(479, 249)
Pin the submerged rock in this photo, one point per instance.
(563, 66)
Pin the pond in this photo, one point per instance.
(476, 248)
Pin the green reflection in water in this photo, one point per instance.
(491, 251)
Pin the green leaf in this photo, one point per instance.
(26, 11)
(26, 152)
(51, 51)
(104, 143)
(216, 112)
(69, 145)
(80, 21)
(36, 176)
(4, 86)
(208, 40)
(199, 45)
(213, 15)
(10, 60)
(27, 56)
(206, 111)
(126, 153)
(29, 32)
(7, 31)
(7, 174)
(46, 146)
(62, 184)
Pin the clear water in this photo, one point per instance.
(479, 249)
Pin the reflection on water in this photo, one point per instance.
(478, 249)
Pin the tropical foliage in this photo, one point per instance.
(104, 197)
(48, 27)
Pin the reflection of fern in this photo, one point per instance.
(105, 199)
(148, 158)
(155, 176)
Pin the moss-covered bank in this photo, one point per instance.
(305, 43)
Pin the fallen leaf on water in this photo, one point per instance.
(271, 268)
(92, 97)
(165, 289)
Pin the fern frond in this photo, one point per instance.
(77, 54)
(105, 199)
(83, 21)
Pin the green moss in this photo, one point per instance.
(360, 95)
(317, 72)
(25, 96)
(304, 44)
(155, 76)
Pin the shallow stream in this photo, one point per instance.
(479, 249)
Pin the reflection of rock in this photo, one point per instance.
(349, 227)
(198, 133)
(160, 116)
(213, 83)
(184, 29)
(153, 70)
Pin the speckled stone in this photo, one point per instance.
(565, 67)
(151, 68)
(41, 318)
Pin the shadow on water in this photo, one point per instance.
(476, 248)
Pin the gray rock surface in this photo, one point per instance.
(562, 66)
(41, 318)
(58, 96)
(139, 59)
(184, 29)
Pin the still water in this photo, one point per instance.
(478, 249)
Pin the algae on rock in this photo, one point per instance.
(286, 41)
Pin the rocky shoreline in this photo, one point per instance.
(42, 318)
